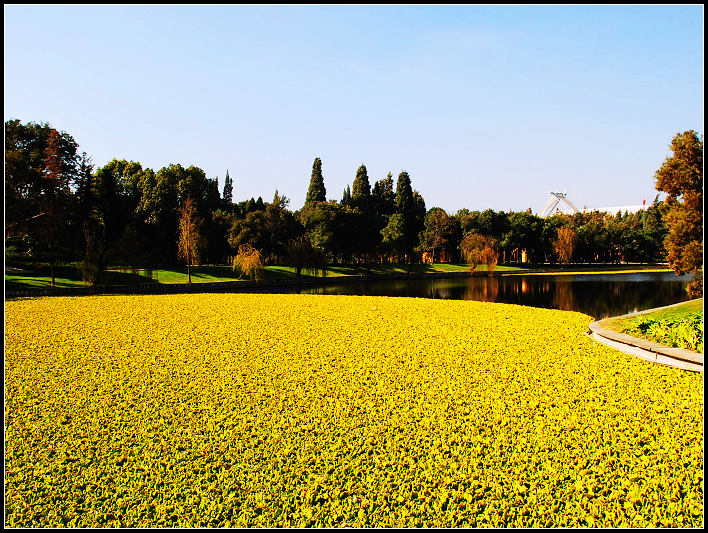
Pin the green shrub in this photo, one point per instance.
(685, 332)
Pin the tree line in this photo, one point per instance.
(59, 208)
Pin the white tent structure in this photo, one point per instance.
(551, 206)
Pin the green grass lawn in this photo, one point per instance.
(69, 276)
(272, 272)
(39, 282)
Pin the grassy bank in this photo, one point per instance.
(678, 326)
(69, 276)
(338, 411)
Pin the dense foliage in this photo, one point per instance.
(251, 410)
(680, 332)
(681, 178)
(58, 208)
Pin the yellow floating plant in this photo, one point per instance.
(303, 410)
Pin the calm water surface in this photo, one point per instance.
(596, 295)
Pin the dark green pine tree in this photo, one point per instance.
(388, 188)
(406, 208)
(317, 191)
(228, 195)
(404, 195)
(367, 235)
(361, 189)
(346, 197)
(384, 197)
(419, 213)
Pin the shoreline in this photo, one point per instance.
(645, 349)
(311, 281)
(238, 286)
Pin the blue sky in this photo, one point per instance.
(484, 107)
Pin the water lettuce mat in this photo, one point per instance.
(305, 410)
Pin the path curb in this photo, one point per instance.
(645, 349)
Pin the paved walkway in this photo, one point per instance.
(648, 350)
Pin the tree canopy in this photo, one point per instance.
(60, 208)
(681, 178)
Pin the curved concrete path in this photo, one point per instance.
(648, 350)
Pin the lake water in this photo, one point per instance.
(597, 295)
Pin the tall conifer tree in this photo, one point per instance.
(407, 207)
(317, 191)
(228, 195)
(361, 188)
(347, 197)
(388, 193)
(404, 195)
(367, 236)
(384, 197)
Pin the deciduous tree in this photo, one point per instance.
(564, 244)
(393, 235)
(681, 178)
(303, 256)
(190, 240)
(54, 201)
(248, 262)
(40, 167)
(479, 249)
(439, 231)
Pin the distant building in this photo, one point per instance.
(615, 210)
(567, 207)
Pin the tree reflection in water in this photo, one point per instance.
(599, 296)
(564, 297)
(486, 291)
